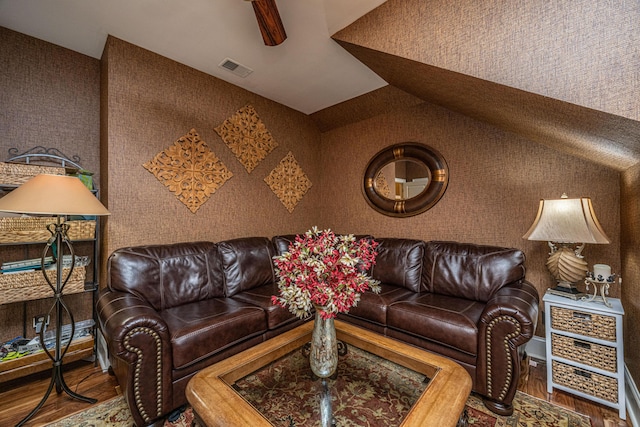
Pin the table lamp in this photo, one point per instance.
(56, 195)
(567, 225)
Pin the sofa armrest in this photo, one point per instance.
(140, 353)
(508, 321)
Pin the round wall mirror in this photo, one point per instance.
(405, 179)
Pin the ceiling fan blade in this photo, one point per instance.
(269, 22)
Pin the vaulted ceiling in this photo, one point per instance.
(565, 73)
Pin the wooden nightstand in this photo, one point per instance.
(585, 352)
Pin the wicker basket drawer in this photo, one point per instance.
(587, 382)
(596, 355)
(25, 230)
(588, 324)
(31, 285)
(19, 173)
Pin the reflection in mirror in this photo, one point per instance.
(405, 179)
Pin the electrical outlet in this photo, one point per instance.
(40, 318)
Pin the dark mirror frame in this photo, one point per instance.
(437, 185)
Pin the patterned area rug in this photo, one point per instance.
(115, 413)
(529, 412)
(368, 390)
(286, 392)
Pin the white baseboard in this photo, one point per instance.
(633, 398)
(102, 352)
(536, 348)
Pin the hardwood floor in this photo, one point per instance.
(18, 398)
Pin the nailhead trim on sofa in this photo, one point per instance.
(136, 379)
(505, 387)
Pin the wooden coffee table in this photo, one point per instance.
(216, 403)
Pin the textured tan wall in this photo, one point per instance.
(630, 221)
(581, 132)
(578, 51)
(496, 181)
(49, 96)
(153, 101)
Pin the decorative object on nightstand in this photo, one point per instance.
(585, 351)
(567, 225)
(56, 195)
(602, 278)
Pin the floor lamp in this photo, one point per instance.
(56, 195)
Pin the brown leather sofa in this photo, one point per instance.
(467, 302)
(170, 310)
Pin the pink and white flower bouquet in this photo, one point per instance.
(324, 270)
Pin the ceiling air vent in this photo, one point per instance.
(235, 67)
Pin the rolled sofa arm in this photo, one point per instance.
(139, 349)
(508, 321)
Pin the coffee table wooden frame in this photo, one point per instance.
(216, 403)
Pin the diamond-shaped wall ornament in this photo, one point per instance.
(190, 170)
(247, 137)
(288, 181)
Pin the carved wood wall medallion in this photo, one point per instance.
(247, 137)
(190, 170)
(288, 182)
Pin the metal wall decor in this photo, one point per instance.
(288, 181)
(190, 170)
(247, 137)
(416, 177)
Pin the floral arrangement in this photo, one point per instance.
(325, 270)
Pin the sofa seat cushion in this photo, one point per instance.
(446, 320)
(261, 297)
(373, 307)
(199, 330)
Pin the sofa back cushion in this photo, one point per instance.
(399, 263)
(474, 272)
(281, 243)
(246, 263)
(167, 275)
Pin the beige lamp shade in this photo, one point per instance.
(566, 221)
(52, 195)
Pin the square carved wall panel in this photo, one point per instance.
(190, 170)
(288, 181)
(247, 137)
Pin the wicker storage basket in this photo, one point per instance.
(31, 285)
(24, 230)
(588, 324)
(19, 173)
(599, 356)
(587, 382)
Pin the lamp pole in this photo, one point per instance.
(59, 238)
